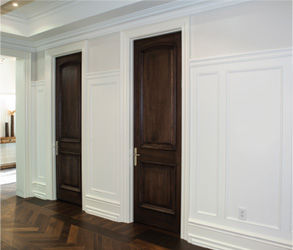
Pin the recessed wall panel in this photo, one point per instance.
(207, 87)
(103, 136)
(253, 164)
(39, 133)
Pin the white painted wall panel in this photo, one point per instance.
(206, 140)
(254, 144)
(248, 27)
(38, 139)
(103, 134)
(254, 154)
(40, 134)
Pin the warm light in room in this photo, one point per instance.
(15, 4)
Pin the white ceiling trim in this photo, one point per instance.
(141, 18)
(55, 15)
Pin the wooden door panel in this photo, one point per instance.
(157, 191)
(70, 171)
(69, 105)
(68, 128)
(157, 131)
(156, 65)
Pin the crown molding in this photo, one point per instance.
(172, 10)
(17, 44)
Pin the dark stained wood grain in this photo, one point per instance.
(157, 131)
(68, 127)
(56, 225)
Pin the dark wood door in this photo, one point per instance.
(68, 128)
(157, 131)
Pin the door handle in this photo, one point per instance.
(135, 156)
(57, 148)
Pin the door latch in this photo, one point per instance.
(57, 147)
(135, 156)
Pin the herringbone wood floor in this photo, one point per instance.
(54, 225)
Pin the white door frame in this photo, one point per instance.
(50, 64)
(127, 115)
(23, 121)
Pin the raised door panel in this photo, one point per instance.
(158, 99)
(69, 102)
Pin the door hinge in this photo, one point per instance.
(56, 147)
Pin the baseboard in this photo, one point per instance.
(225, 239)
(102, 213)
(39, 190)
(7, 165)
(107, 209)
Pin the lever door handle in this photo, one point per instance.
(135, 156)
(57, 148)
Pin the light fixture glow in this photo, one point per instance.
(15, 4)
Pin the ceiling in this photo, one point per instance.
(38, 19)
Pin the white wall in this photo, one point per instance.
(104, 53)
(7, 102)
(249, 27)
(240, 113)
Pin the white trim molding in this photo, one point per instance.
(39, 189)
(158, 14)
(126, 132)
(248, 241)
(103, 74)
(105, 208)
(243, 57)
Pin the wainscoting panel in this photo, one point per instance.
(205, 90)
(102, 132)
(241, 151)
(38, 139)
(254, 130)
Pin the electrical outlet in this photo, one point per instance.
(242, 213)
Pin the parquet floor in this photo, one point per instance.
(34, 224)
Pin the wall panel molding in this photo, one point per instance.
(240, 58)
(101, 190)
(205, 133)
(38, 83)
(255, 151)
(264, 88)
(38, 106)
(102, 74)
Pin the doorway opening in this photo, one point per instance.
(7, 118)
